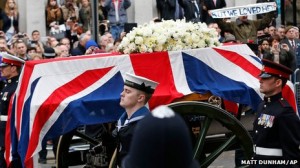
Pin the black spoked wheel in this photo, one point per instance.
(211, 122)
(66, 156)
(91, 147)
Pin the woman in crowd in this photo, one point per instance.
(54, 15)
(70, 10)
(10, 18)
(85, 15)
(264, 46)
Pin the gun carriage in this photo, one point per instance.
(214, 129)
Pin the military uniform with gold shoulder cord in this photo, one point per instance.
(277, 126)
(5, 96)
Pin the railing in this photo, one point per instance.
(296, 81)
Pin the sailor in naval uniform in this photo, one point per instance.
(10, 69)
(277, 126)
(135, 95)
(161, 140)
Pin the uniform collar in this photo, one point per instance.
(12, 80)
(273, 98)
(138, 115)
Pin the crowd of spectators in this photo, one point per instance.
(68, 30)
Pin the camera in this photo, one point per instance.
(33, 45)
(20, 35)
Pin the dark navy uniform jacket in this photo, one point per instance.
(125, 131)
(5, 95)
(276, 131)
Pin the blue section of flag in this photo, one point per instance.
(202, 78)
(100, 106)
(24, 137)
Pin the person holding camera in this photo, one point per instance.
(292, 42)
(3, 46)
(280, 53)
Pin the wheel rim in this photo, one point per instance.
(66, 157)
(210, 114)
(62, 159)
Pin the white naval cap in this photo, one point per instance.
(8, 59)
(140, 83)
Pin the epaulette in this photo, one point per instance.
(284, 103)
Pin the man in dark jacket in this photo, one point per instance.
(192, 10)
(211, 5)
(80, 49)
(166, 9)
(276, 127)
(260, 16)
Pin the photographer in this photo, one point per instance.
(3, 46)
(19, 37)
(280, 53)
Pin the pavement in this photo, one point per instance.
(51, 161)
(225, 160)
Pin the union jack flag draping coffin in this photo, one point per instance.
(56, 96)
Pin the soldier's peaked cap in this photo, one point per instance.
(8, 59)
(140, 83)
(271, 68)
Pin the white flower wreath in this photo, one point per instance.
(168, 35)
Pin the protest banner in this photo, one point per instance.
(246, 10)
